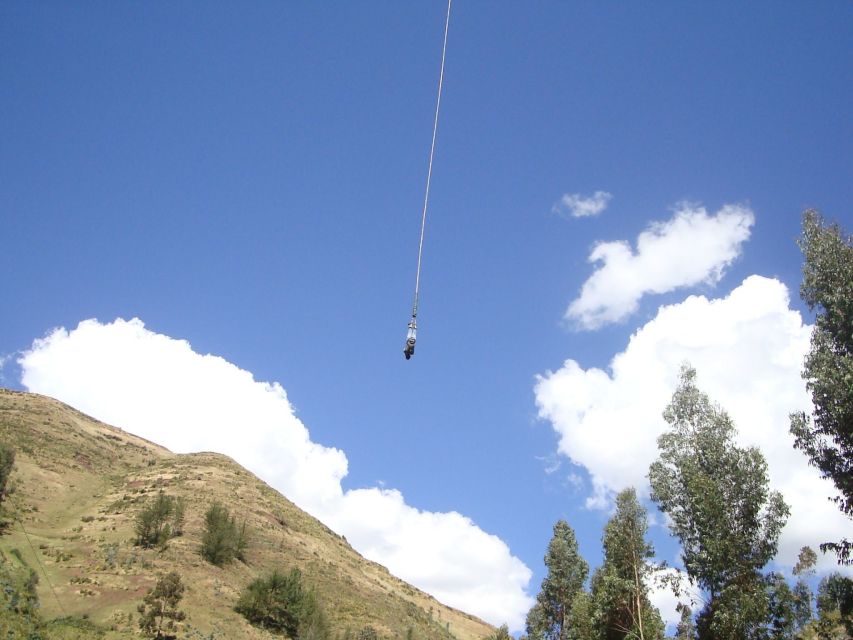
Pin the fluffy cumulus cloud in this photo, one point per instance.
(748, 350)
(159, 388)
(691, 248)
(578, 206)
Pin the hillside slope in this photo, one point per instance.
(79, 484)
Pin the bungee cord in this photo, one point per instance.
(411, 334)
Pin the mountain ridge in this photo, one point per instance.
(79, 484)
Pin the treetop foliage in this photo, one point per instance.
(806, 561)
(827, 287)
(715, 492)
(620, 604)
(718, 499)
(549, 619)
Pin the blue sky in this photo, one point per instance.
(248, 178)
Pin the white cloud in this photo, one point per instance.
(661, 594)
(689, 249)
(748, 349)
(159, 388)
(578, 206)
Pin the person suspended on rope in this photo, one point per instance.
(411, 336)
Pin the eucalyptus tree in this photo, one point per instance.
(685, 630)
(834, 607)
(827, 287)
(551, 616)
(719, 505)
(620, 602)
(803, 570)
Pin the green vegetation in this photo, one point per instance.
(828, 288)
(802, 594)
(367, 633)
(501, 634)
(158, 521)
(7, 462)
(280, 603)
(717, 498)
(79, 488)
(685, 630)
(834, 606)
(550, 618)
(620, 603)
(159, 609)
(223, 540)
(618, 606)
(19, 608)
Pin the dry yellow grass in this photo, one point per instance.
(79, 485)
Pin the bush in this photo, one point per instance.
(222, 540)
(281, 604)
(159, 609)
(7, 461)
(161, 519)
(368, 633)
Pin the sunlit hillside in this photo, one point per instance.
(78, 485)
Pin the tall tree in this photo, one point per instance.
(685, 630)
(717, 498)
(803, 570)
(620, 603)
(550, 617)
(580, 624)
(828, 288)
(782, 606)
(834, 607)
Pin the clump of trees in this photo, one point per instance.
(223, 539)
(159, 520)
(827, 437)
(281, 603)
(617, 606)
(159, 611)
(719, 504)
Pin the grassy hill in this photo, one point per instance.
(78, 486)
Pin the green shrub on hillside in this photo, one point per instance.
(19, 609)
(501, 634)
(162, 518)
(280, 603)
(222, 540)
(159, 609)
(7, 461)
(368, 633)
